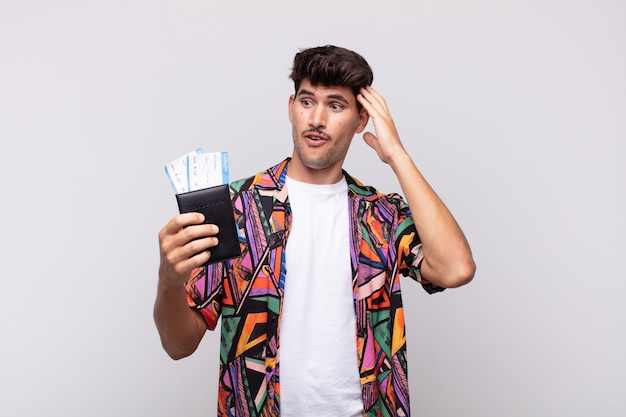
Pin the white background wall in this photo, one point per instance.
(514, 110)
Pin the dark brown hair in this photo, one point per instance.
(331, 66)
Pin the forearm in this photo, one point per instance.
(448, 260)
(181, 328)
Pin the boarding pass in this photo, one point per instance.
(197, 170)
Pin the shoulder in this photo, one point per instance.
(367, 193)
(271, 178)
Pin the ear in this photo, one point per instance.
(290, 105)
(363, 119)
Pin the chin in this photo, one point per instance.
(316, 164)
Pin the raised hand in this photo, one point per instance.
(386, 142)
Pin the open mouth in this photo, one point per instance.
(315, 136)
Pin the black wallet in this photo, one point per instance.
(214, 203)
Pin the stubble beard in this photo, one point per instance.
(321, 161)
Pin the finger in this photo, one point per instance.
(375, 99)
(187, 237)
(373, 111)
(179, 272)
(172, 244)
(181, 221)
(371, 140)
(177, 257)
(197, 231)
(198, 245)
(375, 94)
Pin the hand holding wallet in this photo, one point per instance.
(215, 204)
(200, 181)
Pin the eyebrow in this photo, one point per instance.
(337, 97)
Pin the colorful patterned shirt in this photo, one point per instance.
(247, 292)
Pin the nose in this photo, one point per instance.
(318, 117)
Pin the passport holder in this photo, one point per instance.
(214, 203)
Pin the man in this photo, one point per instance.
(312, 318)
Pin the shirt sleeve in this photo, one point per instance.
(204, 291)
(409, 248)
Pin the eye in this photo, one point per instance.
(306, 102)
(336, 106)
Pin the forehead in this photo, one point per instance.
(323, 91)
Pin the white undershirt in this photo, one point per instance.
(318, 360)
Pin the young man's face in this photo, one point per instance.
(324, 120)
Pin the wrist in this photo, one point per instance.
(169, 283)
(400, 160)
